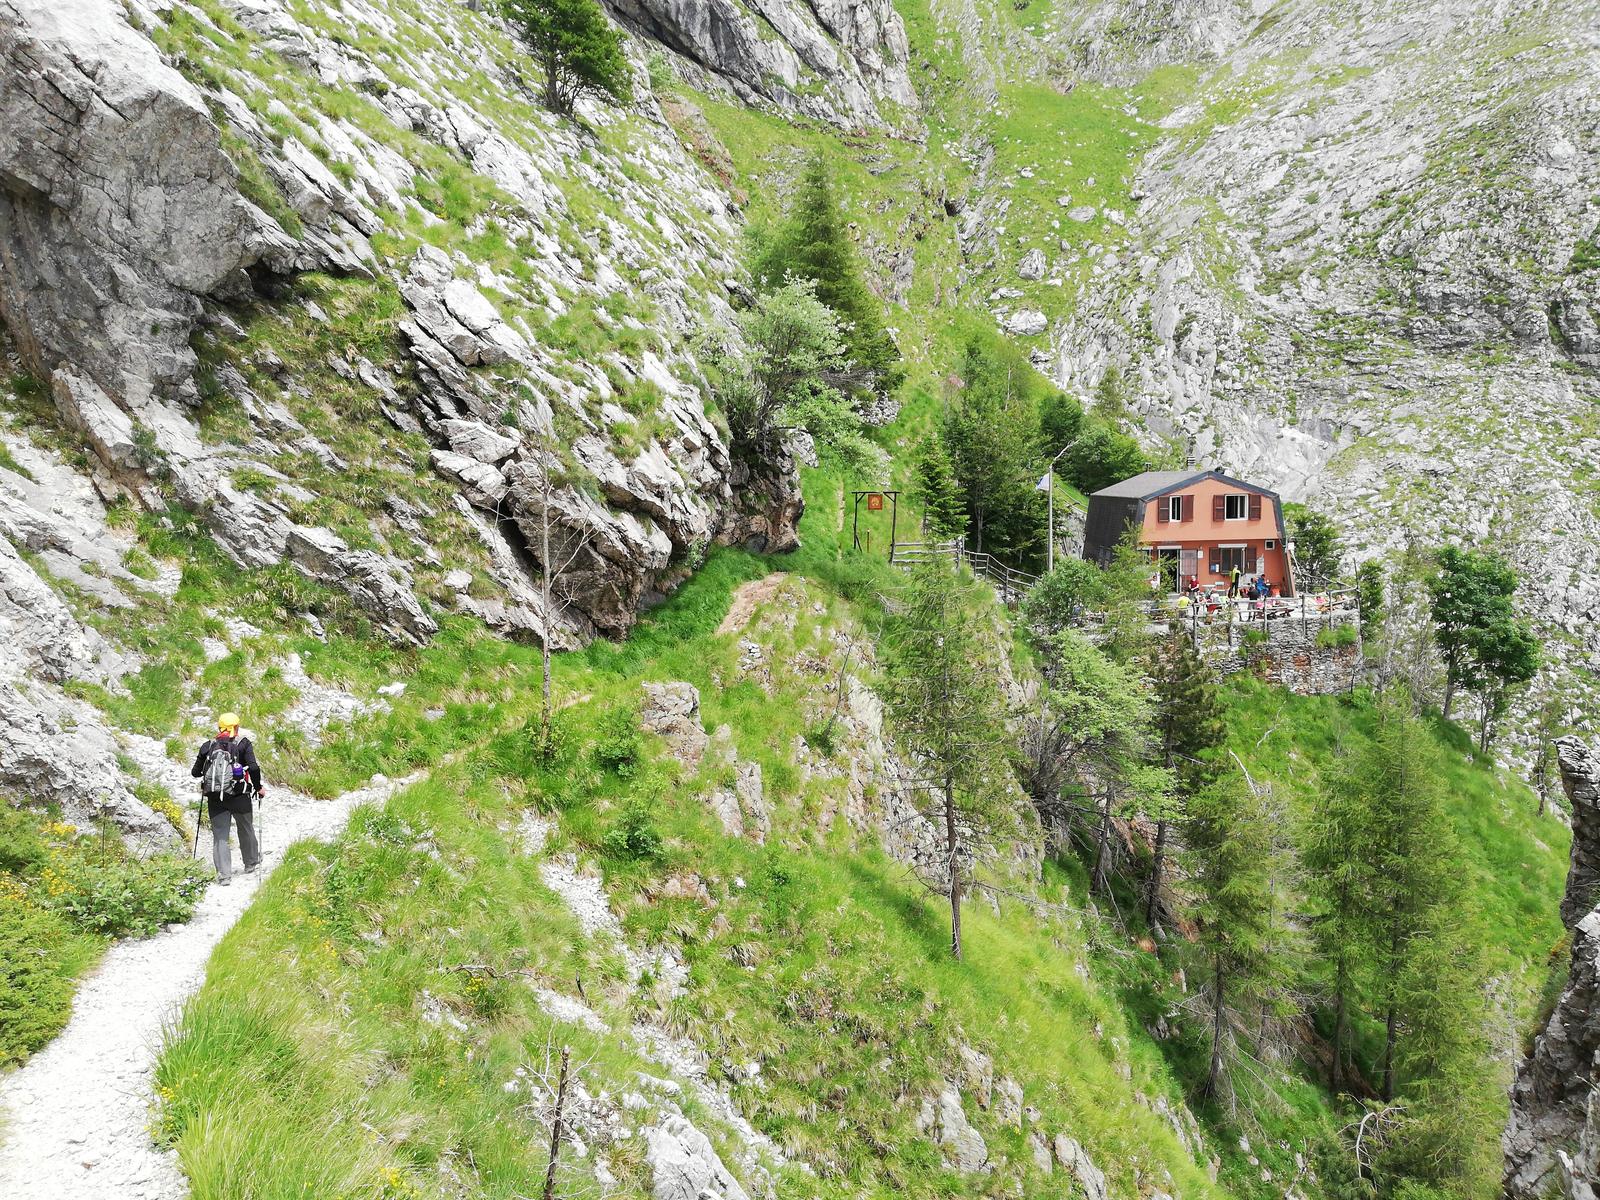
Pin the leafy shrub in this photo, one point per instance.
(40, 953)
(1056, 600)
(634, 837)
(119, 896)
(616, 746)
(1252, 639)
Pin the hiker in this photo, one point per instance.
(1263, 588)
(230, 780)
(1233, 583)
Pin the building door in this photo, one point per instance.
(1188, 564)
(1167, 564)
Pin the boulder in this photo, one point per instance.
(1033, 264)
(1026, 322)
(1076, 1161)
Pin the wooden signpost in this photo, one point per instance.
(875, 501)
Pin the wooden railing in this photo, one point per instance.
(1010, 584)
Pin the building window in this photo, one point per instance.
(1271, 544)
(1175, 508)
(1237, 506)
(1229, 557)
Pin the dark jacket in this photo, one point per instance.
(237, 798)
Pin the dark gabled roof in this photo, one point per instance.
(1150, 484)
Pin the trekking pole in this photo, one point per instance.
(194, 852)
(261, 844)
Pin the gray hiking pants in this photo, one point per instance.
(219, 841)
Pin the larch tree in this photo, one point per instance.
(1410, 858)
(1338, 862)
(1189, 733)
(1229, 850)
(944, 696)
(1318, 547)
(576, 45)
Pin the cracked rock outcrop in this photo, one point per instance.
(841, 61)
(1552, 1144)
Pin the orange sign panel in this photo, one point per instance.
(874, 501)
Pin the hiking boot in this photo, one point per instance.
(252, 868)
(223, 882)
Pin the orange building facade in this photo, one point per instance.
(1194, 523)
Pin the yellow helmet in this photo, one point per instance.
(228, 721)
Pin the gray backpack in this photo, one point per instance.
(218, 777)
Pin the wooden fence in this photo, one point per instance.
(1010, 584)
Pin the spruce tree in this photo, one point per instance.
(944, 692)
(1189, 732)
(938, 491)
(815, 244)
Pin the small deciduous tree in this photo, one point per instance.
(944, 694)
(1469, 592)
(1370, 602)
(1102, 456)
(578, 48)
(1504, 658)
(786, 375)
(1318, 548)
(1062, 597)
(1089, 737)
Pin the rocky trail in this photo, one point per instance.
(75, 1120)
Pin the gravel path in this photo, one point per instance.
(74, 1120)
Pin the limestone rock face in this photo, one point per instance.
(125, 228)
(842, 61)
(1552, 1144)
(673, 711)
(942, 1119)
(685, 1166)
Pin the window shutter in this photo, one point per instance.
(1162, 515)
(1219, 508)
(1188, 507)
(1255, 507)
(1250, 560)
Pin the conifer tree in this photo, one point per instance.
(1338, 861)
(1409, 860)
(1189, 732)
(938, 491)
(1229, 849)
(991, 433)
(944, 694)
(815, 244)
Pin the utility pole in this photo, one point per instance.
(1050, 497)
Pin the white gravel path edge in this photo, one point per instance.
(74, 1119)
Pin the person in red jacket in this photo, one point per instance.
(230, 781)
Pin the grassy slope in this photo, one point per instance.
(815, 956)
